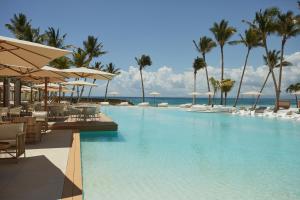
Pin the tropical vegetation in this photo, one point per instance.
(198, 64)
(143, 62)
(110, 68)
(293, 89)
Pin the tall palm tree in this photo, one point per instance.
(222, 33)
(197, 65)
(61, 63)
(143, 62)
(294, 88)
(55, 39)
(18, 25)
(110, 68)
(97, 66)
(286, 27)
(272, 60)
(21, 27)
(226, 85)
(264, 23)
(80, 59)
(204, 46)
(251, 39)
(93, 49)
(216, 86)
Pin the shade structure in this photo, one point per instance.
(194, 93)
(251, 93)
(208, 93)
(27, 54)
(12, 70)
(50, 85)
(83, 72)
(80, 83)
(114, 93)
(296, 93)
(154, 93)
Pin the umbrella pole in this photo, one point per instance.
(46, 95)
(59, 93)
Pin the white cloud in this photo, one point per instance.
(171, 83)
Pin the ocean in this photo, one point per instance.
(183, 100)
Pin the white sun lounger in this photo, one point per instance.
(144, 104)
(163, 105)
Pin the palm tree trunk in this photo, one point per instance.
(225, 102)
(296, 101)
(91, 89)
(213, 99)
(272, 72)
(207, 80)
(280, 71)
(222, 71)
(81, 92)
(194, 100)
(242, 77)
(106, 90)
(142, 85)
(262, 88)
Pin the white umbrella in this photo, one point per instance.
(28, 54)
(84, 72)
(80, 83)
(251, 93)
(50, 85)
(154, 95)
(296, 93)
(114, 93)
(194, 94)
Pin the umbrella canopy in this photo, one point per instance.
(12, 70)
(27, 54)
(154, 93)
(80, 83)
(83, 72)
(194, 93)
(114, 93)
(208, 93)
(296, 93)
(251, 93)
(50, 85)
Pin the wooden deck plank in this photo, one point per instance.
(73, 182)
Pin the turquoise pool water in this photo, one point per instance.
(161, 154)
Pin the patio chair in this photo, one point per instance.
(91, 112)
(3, 112)
(41, 116)
(15, 112)
(13, 135)
(74, 112)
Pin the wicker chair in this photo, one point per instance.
(15, 112)
(14, 135)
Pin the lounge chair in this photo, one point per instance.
(162, 105)
(124, 103)
(285, 104)
(13, 135)
(104, 103)
(144, 104)
(15, 112)
(186, 105)
(41, 116)
(3, 112)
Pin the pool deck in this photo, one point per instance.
(100, 123)
(49, 170)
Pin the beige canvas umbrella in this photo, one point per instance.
(80, 83)
(27, 54)
(83, 72)
(253, 94)
(154, 94)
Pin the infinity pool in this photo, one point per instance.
(171, 154)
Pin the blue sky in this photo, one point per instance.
(162, 29)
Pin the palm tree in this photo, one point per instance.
(93, 49)
(197, 65)
(294, 88)
(286, 27)
(61, 63)
(264, 23)
(142, 62)
(272, 60)
(19, 24)
(55, 39)
(21, 27)
(110, 68)
(251, 39)
(79, 60)
(222, 33)
(226, 85)
(97, 66)
(204, 46)
(216, 86)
